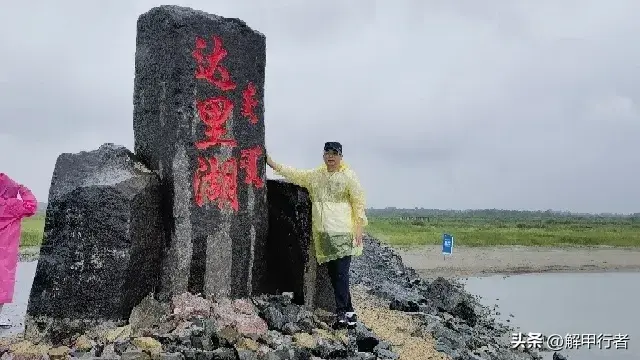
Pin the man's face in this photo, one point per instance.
(332, 158)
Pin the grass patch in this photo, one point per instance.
(472, 231)
(32, 231)
(492, 232)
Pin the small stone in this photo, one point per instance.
(229, 335)
(304, 340)
(248, 344)
(83, 344)
(224, 354)
(387, 355)
(187, 305)
(108, 350)
(247, 355)
(28, 350)
(148, 344)
(121, 345)
(59, 353)
(171, 356)
(135, 355)
(290, 328)
(123, 332)
(147, 315)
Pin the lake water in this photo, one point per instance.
(585, 303)
(17, 310)
(565, 303)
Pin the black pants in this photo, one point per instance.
(339, 274)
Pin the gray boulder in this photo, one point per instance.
(102, 243)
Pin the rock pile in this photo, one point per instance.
(463, 328)
(266, 327)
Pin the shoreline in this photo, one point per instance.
(429, 262)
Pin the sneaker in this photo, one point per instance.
(341, 322)
(352, 318)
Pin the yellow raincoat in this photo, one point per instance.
(337, 203)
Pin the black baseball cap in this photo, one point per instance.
(333, 145)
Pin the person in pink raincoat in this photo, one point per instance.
(12, 211)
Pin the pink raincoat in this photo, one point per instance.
(12, 211)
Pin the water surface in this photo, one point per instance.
(583, 303)
(18, 309)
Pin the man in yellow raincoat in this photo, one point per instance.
(338, 219)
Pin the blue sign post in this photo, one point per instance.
(447, 244)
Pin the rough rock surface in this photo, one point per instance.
(291, 264)
(267, 327)
(198, 122)
(102, 242)
(463, 328)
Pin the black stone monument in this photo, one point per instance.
(291, 262)
(102, 243)
(198, 122)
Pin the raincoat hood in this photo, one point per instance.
(8, 188)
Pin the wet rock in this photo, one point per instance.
(102, 243)
(217, 224)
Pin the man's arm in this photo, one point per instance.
(298, 177)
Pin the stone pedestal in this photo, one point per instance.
(291, 262)
(102, 243)
(198, 122)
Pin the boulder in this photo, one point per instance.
(102, 243)
(198, 122)
(291, 262)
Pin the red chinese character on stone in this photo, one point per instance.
(208, 66)
(216, 182)
(214, 113)
(249, 103)
(249, 162)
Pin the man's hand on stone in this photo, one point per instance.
(269, 161)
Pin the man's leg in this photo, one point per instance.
(344, 272)
(339, 273)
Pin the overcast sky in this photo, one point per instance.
(438, 103)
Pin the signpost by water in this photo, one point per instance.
(447, 245)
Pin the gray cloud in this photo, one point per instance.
(447, 104)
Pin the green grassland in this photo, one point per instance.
(495, 231)
(32, 230)
(472, 228)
